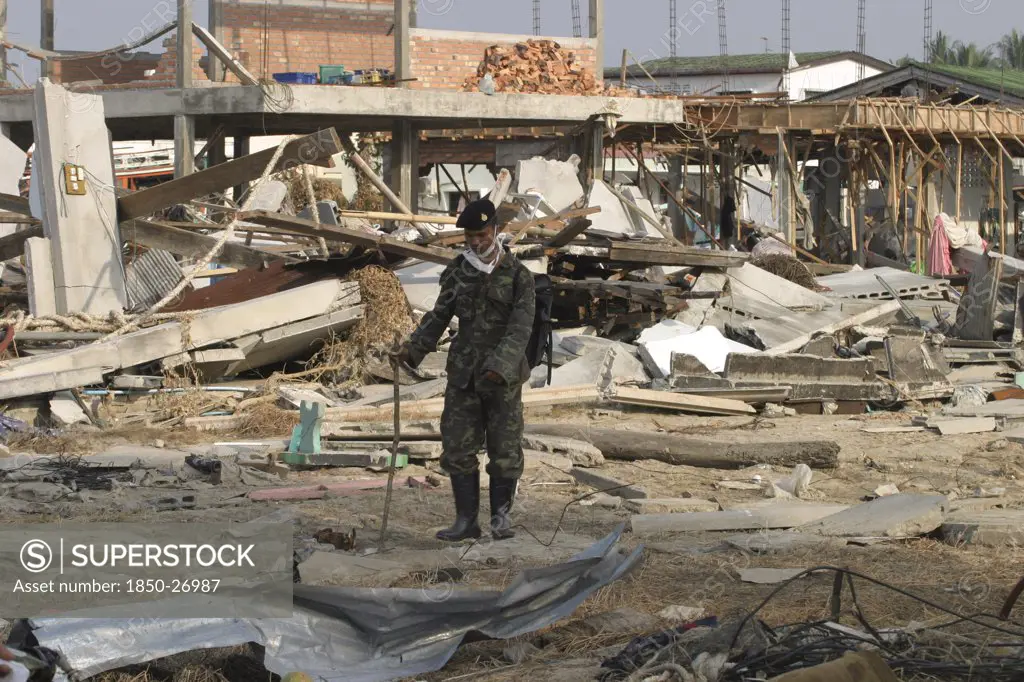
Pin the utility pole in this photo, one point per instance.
(184, 125)
(3, 36)
(577, 19)
(927, 31)
(785, 46)
(862, 36)
(536, 17)
(723, 46)
(46, 35)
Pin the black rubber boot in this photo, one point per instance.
(466, 488)
(503, 493)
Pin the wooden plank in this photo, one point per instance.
(317, 149)
(680, 401)
(367, 240)
(9, 218)
(221, 52)
(401, 217)
(13, 245)
(14, 204)
(156, 235)
(575, 228)
(431, 409)
(673, 254)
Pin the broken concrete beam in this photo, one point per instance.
(670, 505)
(51, 382)
(42, 299)
(600, 368)
(317, 149)
(809, 377)
(557, 181)
(780, 515)
(65, 410)
(917, 367)
(632, 446)
(608, 485)
(154, 234)
(205, 328)
(991, 528)
(863, 318)
(697, 309)
(77, 202)
(865, 284)
(681, 402)
(582, 453)
(975, 314)
(894, 516)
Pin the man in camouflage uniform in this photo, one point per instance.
(492, 294)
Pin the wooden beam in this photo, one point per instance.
(13, 245)
(220, 52)
(12, 203)
(400, 217)
(352, 236)
(674, 254)
(575, 228)
(17, 219)
(381, 186)
(316, 149)
(156, 235)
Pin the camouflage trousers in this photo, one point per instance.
(484, 414)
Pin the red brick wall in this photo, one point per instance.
(302, 35)
(166, 69)
(442, 60)
(110, 69)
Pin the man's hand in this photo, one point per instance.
(401, 354)
(494, 378)
(5, 655)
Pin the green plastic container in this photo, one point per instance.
(332, 72)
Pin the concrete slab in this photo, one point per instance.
(422, 284)
(83, 229)
(894, 516)
(864, 284)
(1008, 409)
(42, 297)
(769, 576)
(269, 196)
(753, 283)
(778, 515)
(12, 166)
(608, 485)
(581, 344)
(670, 505)
(600, 366)
(579, 452)
(557, 181)
(991, 528)
(294, 396)
(698, 309)
(776, 541)
(954, 427)
(614, 220)
(809, 377)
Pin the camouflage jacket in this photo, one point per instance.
(495, 322)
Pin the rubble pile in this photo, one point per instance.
(536, 66)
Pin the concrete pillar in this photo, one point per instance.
(597, 33)
(184, 126)
(39, 265)
(785, 190)
(405, 163)
(595, 152)
(184, 145)
(241, 144)
(79, 217)
(675, 183)
(46, 35)
(216, 70)
(405, 11)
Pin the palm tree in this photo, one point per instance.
(971, 56)
(940, 50)
(1011, 50)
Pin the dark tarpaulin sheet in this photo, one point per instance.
(352, 634)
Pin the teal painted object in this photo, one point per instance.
(1018, 379)
(306, 436)
(344, 459)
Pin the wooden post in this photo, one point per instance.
(625, 62)
(919, 208)
(959, 176)
(1002, 206)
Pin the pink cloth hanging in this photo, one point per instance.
(939, 261)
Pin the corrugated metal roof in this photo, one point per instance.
(150, 277)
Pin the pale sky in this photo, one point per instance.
(894, 27)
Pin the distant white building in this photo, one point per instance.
(808, 73)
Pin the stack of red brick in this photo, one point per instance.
(536, 66)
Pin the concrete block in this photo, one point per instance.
(689, 372)
(614, 220)
(65, 410)
(598, 367)
(893, 516)
(808, 376)
(42, 298)
(963, 425)
(325, 213)
(778, 515)
(769, 576)
(580, 452)
(670, 505)
(557, 181)
(86, 243)
(269, 196)
(991, 528)
(608, 485)
(697, 309)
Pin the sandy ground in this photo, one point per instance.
(678, 569)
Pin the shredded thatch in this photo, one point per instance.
(387, 319)
(323, 190)
(788, 268)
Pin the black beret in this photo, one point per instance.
(477, 216)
